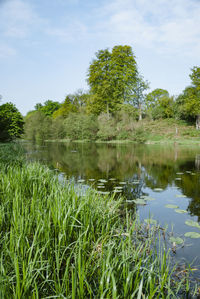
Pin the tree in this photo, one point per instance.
(48, 108)
(11, 122)
(153, 97)
(189, 101)
(70, 105)
(138, 95)
(111, 77)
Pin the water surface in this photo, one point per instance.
(166, 174)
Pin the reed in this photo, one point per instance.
(56, 243)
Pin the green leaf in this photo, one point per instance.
(181, 195)
(177, 240)
(150, 221)
(139, 201)
(171, 206)
(157, 189)
(192, 223)
(192, 235)
(180, 211)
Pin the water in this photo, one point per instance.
(167, 174)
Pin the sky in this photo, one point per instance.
(46, 46)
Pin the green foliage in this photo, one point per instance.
(164, 108)
(107, 127)
(58, 128)
(11, 122)
(70, 105)
(37, 127)
(138, 94)
(79, 126)
(139, 135)
(48, 108)
(111, 76)
(57, 243)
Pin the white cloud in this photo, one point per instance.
(166, 26)
(18, 18)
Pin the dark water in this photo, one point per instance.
(136, 171)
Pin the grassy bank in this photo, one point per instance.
(57, 244)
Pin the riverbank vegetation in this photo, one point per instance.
(58, 242)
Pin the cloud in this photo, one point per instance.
(17, 19)
(166, 26)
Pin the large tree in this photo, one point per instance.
(11, 122)
(189, 101)
(111, 77)
(48, 108)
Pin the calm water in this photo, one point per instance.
(168, 175)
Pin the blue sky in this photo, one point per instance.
(46, 46)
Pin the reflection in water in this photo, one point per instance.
(152, 166)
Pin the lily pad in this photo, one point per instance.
(118, 187)
(192, 235)
(102, 181)
(192, 223)
(177, 240)
(180, 195)
(103, 192)
(117, 190)
(150, 221)
(180, 211)
(149, 198)
(188, 171)
(136, 182)
(157, 189)
(178, 179)
(122, 183)
(100, 186)
(91, 180)
(139, 201)
(179, 173)
(81, 181)
(112, 179)
(171, 206)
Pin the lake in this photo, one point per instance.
(162, 182)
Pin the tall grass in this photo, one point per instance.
(55, 243)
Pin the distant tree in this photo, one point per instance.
(189, 101)
(48, 108)
(111, 77)
(154, 96)
(11, 122)
(138, 94)
(70, 105)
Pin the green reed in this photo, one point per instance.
(55, 243)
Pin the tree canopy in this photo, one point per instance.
(111, 77)
(11, 122)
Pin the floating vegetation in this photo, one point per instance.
(102, 181)
(100, 187)
(112, 179)
(178, 179)
(81, 181)
(192, 235)
(150, 221)
(100, 184)
(179, 173)
(171, 206)
(91, 180)
(140, 201)
(188, 171)
(180, 211)
(157, 189)
(118, 187)
(103, 192)
(117, 190)
(176, 240)
(149, 198)
(122, 183)
(180, 195)
(136, 182)
(192, 223)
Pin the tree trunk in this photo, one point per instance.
(107, 108)
(198, 122)
(140, 111)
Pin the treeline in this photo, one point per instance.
(113, 107)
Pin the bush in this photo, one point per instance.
(107, 127)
